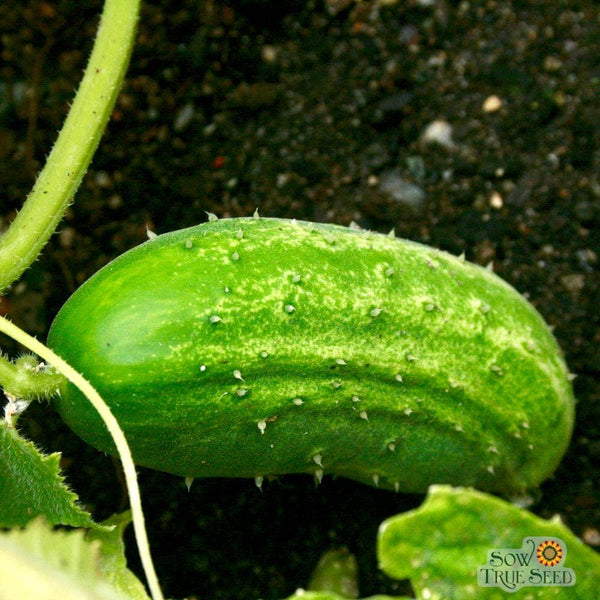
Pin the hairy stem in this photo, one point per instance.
(27, 379)
(119, 438)
(67, 163)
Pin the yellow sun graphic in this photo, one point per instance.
(549, 553)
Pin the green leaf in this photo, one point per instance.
(323, 595)
(31, 485)
(335, 578)
(337, 572)
(43, 564)
(441, 545)
(114, 564)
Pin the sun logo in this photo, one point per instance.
(549, 553)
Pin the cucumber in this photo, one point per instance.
(257, 347)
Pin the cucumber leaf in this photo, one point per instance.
(442, 545)
(45, 564)
(301, 594)
(336, 578)
(113, 563)
(31, 485)
(336, 572)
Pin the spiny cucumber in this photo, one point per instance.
(256, 347)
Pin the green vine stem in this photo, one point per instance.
(28, 380)
(67, 163)
(121, 443)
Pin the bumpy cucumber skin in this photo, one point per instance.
(256, 347)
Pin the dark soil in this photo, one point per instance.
(316, 111)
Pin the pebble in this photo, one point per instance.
(574, 282)
(496, 200)
(591, 536)
(184, 117)
(115, 201)
(103, 179)
(402, 191)
(587, 258)
(438, 132)
(66, 236)
(552, 63)
(269, 53)
(336, 6)
(492, 104)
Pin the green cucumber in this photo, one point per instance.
(256, 347)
